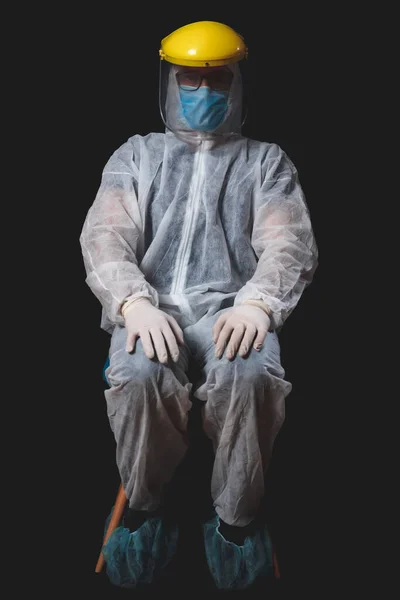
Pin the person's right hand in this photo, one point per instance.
(158, 331)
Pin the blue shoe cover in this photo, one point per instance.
(237, 567)
(138, 557)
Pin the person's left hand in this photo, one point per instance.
(242, 326)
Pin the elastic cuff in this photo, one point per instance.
(259, 304)
(127, 305)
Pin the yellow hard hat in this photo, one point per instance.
(203, 44)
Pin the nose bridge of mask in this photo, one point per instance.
(203, 96)
(207, 82)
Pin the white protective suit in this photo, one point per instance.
(198, 223)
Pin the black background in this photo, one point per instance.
(102, 82)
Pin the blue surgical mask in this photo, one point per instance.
(204, 109)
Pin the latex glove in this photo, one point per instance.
(158, 331)
(241, 326)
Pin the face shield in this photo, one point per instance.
(202, 102)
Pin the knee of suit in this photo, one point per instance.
(245, 373)
(135, 369)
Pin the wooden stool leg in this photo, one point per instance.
(276, 566)
(116, 516)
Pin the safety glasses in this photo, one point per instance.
(219, 80)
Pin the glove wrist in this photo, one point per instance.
(129, 304)
(259, 304)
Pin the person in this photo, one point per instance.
(198, 245)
